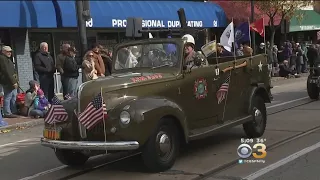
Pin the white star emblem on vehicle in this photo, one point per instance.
(260, 66)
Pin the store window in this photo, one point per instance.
(108, 40)
(65, 38)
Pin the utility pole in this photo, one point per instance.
(82, 29)
(83, 14)
(254, 33)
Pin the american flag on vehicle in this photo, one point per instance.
(67, 96)
(223, 90)
(94, 113)
(56, 112)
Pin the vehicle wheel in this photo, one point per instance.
(313, 90)
(160, 151)
(257, 126)
(71, 158)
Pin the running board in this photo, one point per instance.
(207, 131)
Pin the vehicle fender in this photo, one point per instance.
(260, 90)
(146, 113)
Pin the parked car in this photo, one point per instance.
(153, 103)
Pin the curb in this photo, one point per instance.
(24, 124)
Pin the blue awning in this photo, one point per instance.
(28, 14)
(155, 14)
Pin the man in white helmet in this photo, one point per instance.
(190, 54)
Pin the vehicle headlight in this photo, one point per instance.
(125, 117)
(318, 65)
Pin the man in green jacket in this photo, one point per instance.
(9, 81)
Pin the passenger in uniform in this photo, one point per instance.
(190, 53)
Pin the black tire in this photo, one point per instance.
(153, 158)
(71, 158)
(313, 90)
(257, 126)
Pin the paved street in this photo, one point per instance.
(24, 158)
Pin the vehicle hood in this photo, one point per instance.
(124, 80)
(116, 86)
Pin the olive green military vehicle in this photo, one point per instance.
(154, 104)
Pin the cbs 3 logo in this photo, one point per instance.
(245, 151)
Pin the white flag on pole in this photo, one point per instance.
(227, 37)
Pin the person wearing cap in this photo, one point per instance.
(44, 65)
(59, 65)
(9, 81)
(71, 72)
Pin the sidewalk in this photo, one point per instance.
(21, 122)
(26, 122)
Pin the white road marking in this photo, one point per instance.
(44, 172)
(64, 166)
(17, 142)
(287, 102)
(282, 162)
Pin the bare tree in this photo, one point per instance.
(283, 9)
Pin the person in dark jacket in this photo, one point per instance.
(59, 65)
(9, 81)
(35, 73)
(312, 55)
(285, 71)
(44, 65)
(106, 60)
(71, 72)
(299, 59)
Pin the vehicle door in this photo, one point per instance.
(197, 96)
(240, 83)
(223, 87)
(236, 81)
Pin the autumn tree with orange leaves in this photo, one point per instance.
(283, 9)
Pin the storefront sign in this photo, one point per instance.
(156, 23)
(89, 23)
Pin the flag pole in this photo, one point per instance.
(264, 36)
(249, 33)
(250, 42)
(217, 60)
(104, 123)
(215, 38)
(234, 46)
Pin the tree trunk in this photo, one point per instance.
(273, 33)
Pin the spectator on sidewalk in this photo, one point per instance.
(30, 97)
(44, 65)
(60, 67)
(304, 68)
(106, 60)
(312, 54)
(71, 72)
(99, 65)
(9, 81)
(41, 104)
(2, 121)
(285, 71)
(88, 65)
(299, 60)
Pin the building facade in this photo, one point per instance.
(55, 22)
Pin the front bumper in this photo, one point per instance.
(91, 145)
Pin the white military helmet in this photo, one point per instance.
(187, 38)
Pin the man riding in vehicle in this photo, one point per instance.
(190, 53)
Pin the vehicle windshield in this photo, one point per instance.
(151, 56)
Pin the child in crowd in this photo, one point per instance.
(41, 103)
